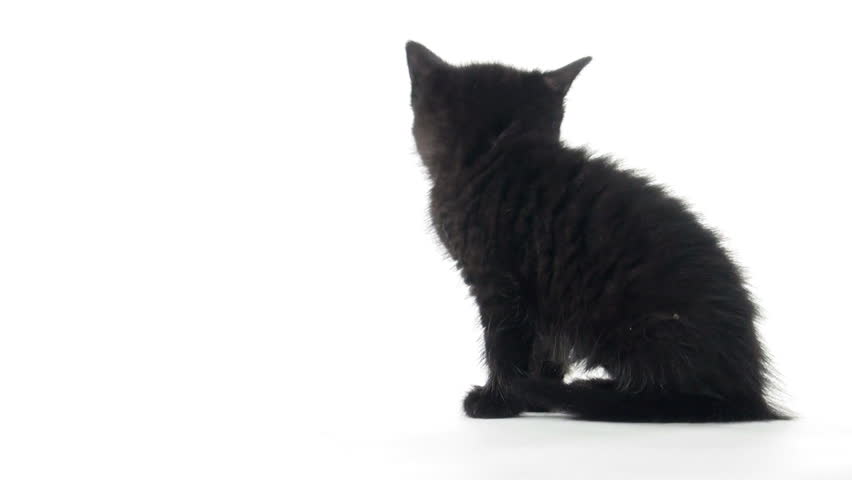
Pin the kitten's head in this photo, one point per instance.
(460, 112)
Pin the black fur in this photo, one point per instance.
(571, 259)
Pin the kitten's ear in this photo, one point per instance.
(560, 80)
(421, 60)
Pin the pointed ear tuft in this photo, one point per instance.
(421, 60)
(561, 80)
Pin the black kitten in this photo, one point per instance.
(571, 259)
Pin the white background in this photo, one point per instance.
(215, 260)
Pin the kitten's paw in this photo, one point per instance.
(538, 409)
(482, 403)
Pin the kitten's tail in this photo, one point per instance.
(601, 400)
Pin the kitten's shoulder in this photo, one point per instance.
(542, 150)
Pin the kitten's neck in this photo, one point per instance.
(470, 157)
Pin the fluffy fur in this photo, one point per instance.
(571, 259)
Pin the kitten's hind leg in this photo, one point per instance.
(542, 362)
(552, 370)
(543, 366)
